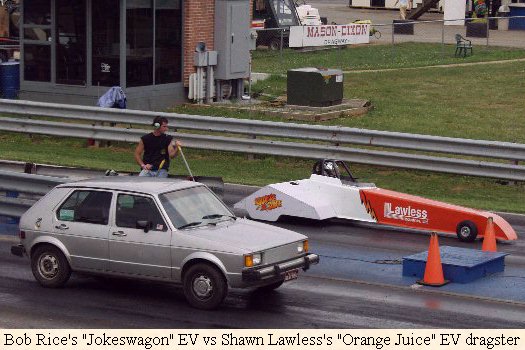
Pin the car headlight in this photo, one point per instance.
(251, 260)
(302, 247)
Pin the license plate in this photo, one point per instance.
(291, 275)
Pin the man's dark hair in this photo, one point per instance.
(159, 120)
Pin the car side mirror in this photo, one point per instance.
(144, 224)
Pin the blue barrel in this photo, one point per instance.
(9, 79)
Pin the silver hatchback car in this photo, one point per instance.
(158, 229)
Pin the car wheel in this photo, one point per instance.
(50, 267)
(466, 231)
(204, 286)
(270, 287)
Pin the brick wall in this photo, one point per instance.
(4, 22)
(199, 25)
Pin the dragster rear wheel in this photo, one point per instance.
(467, 231)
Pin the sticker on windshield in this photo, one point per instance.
(268, 202)
(160, 227)
(66, 215)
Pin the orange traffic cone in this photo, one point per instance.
(489, 240)
(433, 269)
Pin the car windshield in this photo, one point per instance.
(284, 11)
(194, 206)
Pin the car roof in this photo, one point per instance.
(140, 184)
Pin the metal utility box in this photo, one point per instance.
(315, 87)
(232, 38)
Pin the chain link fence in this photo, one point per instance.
(502, 34)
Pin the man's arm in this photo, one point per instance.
(138, 156)
(173, 148)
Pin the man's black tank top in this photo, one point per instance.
(156, 150)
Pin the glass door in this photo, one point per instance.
(71, 43)
(36, 40)
(106, 42)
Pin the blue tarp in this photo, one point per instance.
(113, 98)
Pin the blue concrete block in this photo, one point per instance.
(460, 265)
(9, 220)
(13, 221)
(8, 229)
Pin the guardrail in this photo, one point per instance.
(31, 186)
(332, 134)
(336, 136)
(24, 183)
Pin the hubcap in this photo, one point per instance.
(465, 231)
(48, 266)
(202, 287)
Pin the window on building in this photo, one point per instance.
(139, 43)
(37, 62)
(168, 40)
(71, 43)
(37, 12)
(106, 42)
(37, 35)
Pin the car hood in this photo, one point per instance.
(246, 235)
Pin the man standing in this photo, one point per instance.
(155, 149)
(403, 6)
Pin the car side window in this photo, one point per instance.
(131, 208)
(86, 206)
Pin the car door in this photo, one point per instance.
(133, 251)
(81, 224)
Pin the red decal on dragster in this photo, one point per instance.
(367, 205)
(268, 202)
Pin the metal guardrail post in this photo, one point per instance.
(251, 156)
(393, 44)
(443, 39)
(488, 30)
(281, 47)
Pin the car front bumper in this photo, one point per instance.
(277, 270)
(18, 250)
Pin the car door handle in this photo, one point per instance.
(62, 227)
(119, 233)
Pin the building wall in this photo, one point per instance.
(199, 22)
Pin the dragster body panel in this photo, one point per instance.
(318, 198)
(322, 197)
(399, 209)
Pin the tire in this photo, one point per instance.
(271, 287)
(467, 231)
(275, 44)
(204, 286)
(50, 267)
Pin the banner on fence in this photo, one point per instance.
(328, 35)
